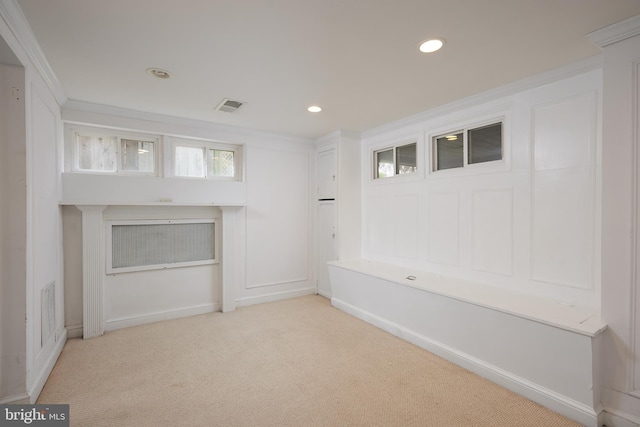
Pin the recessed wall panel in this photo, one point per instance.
(405, 220)
(277, 217)
(443, 225)
(377, 232)
(492, 228)
(563, 189)
(564, 134)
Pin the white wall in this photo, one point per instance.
(620, 218)
(528, 223)
(44, 228)
(32, 225)
(273, 247)
(340, 151)
(13, 237)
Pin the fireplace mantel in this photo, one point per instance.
(93, 253)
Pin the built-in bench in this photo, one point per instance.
(540, 348)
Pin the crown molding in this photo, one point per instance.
(17, 23)
(117, 117)
(616, 32)
(336, 136)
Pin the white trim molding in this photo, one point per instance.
(616, 32)
(93, 268)
(12, 14)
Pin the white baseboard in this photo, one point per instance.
(18, 399)
(544, 396)
(74, 331)
(276, 296)
(112, 325)
(324, 294)
(613, 418)
(43, 376)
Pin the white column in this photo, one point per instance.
(230, 261)
(93, 270)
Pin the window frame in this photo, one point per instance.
(465, 129)
(74, 161)
(394, 149)
(207, 146)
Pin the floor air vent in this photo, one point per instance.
(230, 106)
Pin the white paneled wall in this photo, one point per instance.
(44, 132)
(267, 216)
(526, 223)
(564, 141)
(13, 229)
(278, 200)
(620, 221)
(443, 223)
(492, 227)
(405, 225)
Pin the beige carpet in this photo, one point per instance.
(298, 362)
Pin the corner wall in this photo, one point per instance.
(30, 220)
(620, 369)
(13, 237)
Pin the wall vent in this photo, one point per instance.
(230, 106)
(48, 312)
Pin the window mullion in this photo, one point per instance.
(395, 161)
(465, 148)
(205, 155)
(118, 154)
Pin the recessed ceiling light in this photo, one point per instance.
(159, 73)
(431, 45)
(314, 109)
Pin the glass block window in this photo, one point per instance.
(150, 245)
(398, 160)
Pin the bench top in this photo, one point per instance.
(580, 319)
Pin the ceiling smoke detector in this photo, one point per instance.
(229, 106)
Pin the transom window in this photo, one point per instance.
(114, 154)
(205, 160)
(397, 160)
(469, 146)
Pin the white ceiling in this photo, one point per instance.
(358, 59)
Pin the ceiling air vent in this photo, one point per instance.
(229, 106)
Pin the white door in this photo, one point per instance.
(326, 164)
(326, 245)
